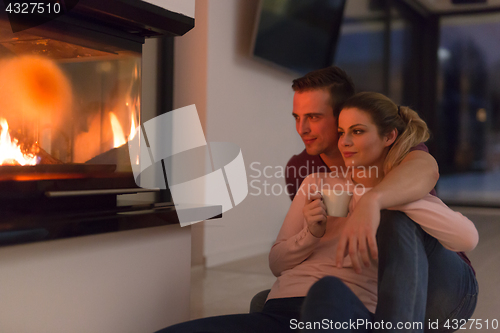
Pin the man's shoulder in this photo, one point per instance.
(303, 159)
(421, 146)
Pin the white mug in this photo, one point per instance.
(336, 202)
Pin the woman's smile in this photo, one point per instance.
(348, 154)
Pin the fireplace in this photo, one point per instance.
(70, 99)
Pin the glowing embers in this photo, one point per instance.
(10, 151)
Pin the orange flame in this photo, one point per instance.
(118, 136)
(10, 152)
(132, 125)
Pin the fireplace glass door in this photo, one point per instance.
(67, 111)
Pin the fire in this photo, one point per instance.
(10, 152)
(119, 138)
(132, 107)
(132, 126)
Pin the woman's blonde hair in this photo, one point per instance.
(387, 116)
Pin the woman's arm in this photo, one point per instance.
(453, 230)
(295, 243)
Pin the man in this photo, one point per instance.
(317, 101)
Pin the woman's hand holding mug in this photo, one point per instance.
(315, 214)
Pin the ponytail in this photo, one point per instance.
(415, 132)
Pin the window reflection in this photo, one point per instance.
(468, 132)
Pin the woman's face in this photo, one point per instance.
(359, 140)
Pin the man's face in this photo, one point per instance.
(315, 122)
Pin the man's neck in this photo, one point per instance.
(334, 161)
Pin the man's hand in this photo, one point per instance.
(315, 214)
(359, 234)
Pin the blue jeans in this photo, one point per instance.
(421, 285)
(330, 301)
(276, 317)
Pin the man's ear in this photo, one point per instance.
(391, 137)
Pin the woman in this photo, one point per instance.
(373, 133)
(416, 273)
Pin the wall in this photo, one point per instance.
(190, 87)
(116, 283)
(247, 103)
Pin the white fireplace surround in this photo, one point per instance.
(184, 7)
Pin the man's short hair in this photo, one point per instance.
(333, 79)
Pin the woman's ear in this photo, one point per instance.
(391, 137)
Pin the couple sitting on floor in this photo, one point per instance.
(395, 270)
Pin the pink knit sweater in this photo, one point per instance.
(298, 259)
